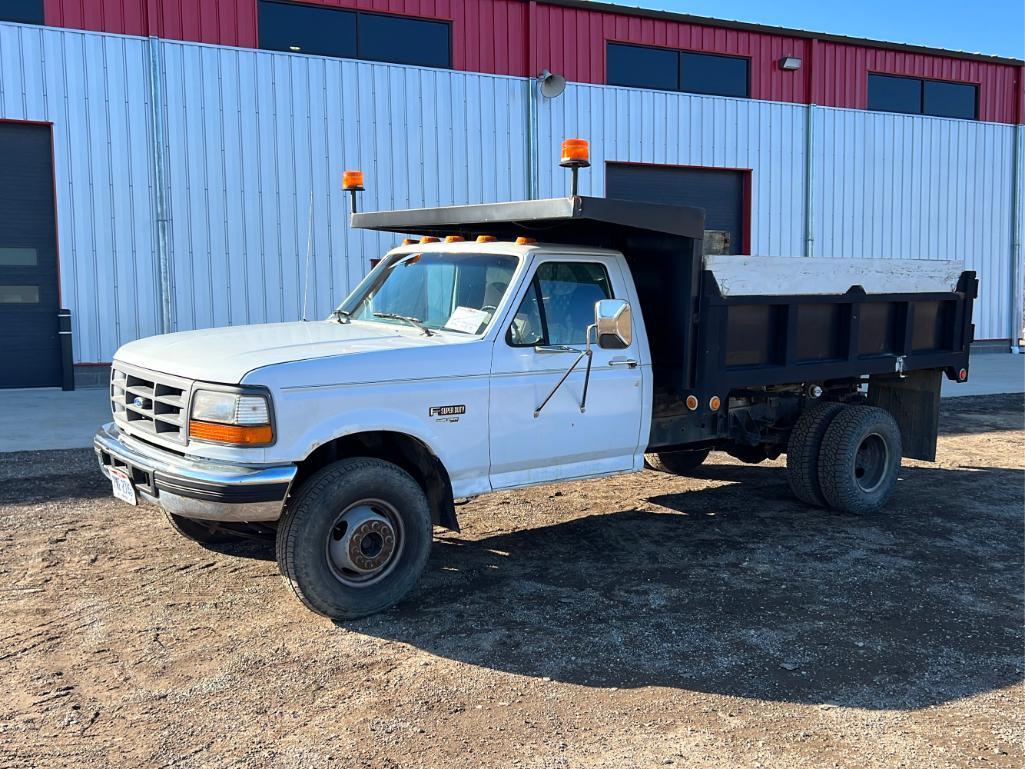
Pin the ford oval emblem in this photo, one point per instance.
(138, 402)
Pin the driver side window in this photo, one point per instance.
(559, 304)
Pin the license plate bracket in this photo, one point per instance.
(122, 486)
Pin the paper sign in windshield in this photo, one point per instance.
(467, 320)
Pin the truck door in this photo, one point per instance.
(553, 311)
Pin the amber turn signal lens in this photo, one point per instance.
(575, 151)
(352, 180)
(714, 403)
(238, 435)
(692, 402)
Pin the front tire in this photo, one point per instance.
(355, 538)
(860, 459)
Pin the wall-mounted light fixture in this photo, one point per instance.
(790, 63)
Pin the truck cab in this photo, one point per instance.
(525, 343)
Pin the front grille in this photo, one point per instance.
(149, 403)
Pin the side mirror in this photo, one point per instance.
(612, 319)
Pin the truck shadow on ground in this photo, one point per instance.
(736, 589)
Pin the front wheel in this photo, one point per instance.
(355, 538)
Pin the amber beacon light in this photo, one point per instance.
(576, 154)
(352, 182)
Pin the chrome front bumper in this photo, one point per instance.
(204, 489)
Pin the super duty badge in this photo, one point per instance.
(446, 411)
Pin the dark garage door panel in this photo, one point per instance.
(29, 343)
(720, 192)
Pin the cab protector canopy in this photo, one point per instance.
(575, 220)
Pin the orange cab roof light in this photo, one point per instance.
(454, 239)
(522, 241)
(428, 239)
(408, 241)
(486, 238)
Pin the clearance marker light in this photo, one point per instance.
(408, 241)
(428, 239)
(486, 238)
(454, 239)
(714, 403)
(692, 402)
(522, 241)
(962, 374)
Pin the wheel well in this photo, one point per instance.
(409, 453)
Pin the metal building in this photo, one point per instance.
(167, 164)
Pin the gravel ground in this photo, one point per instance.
(645, 620)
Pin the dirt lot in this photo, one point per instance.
(641, 621)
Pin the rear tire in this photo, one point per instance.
(860, 459)
(200, 531)
(355, 538)
(678, 462)
(803, 450)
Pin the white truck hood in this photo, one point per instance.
(226, 355)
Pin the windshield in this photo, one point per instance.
(451, 291)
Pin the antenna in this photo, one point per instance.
(309, 250)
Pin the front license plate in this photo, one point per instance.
(123, 488)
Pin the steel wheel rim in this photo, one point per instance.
(364, 542)
(871, 461)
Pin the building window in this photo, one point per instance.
(324, 31)
(22, 11)
(664, 69)
(914, 96)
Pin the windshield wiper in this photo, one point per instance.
(408, 318)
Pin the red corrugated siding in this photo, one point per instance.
(842, 77)
(572, 41)
(491, 36)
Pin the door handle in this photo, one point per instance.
(629, 362)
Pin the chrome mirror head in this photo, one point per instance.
(612, 319)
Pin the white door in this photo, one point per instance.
(554, 311)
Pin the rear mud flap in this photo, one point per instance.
(914, 401)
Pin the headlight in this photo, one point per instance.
(241, 419)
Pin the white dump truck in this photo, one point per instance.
(524, 343)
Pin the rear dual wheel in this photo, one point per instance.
(844, 457)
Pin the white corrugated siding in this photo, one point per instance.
(922, 188)
(94, 90)
(638, 126)
(249, 134)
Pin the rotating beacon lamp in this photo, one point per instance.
(575, 155)
(352, 182)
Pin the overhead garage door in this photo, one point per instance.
(719, 192)
(29, 346)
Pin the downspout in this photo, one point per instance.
(809, 181)
(1017, 287)
(531, 55)
(156, 83)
